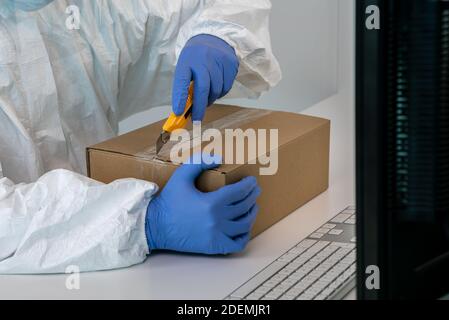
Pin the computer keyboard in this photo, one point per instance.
(320, 267)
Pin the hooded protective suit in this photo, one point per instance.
(63, 88)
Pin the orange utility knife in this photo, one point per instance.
(175, 122)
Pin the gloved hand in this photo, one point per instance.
(182, 218)
(212, 64)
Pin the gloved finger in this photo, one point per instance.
(201, 87)
(216, 83)
(238, 243)
(230, 71)
(236, 192)
(238, 209)
(190, 170)
(181, 84)
(242, 225)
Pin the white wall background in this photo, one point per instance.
(341, 106)
(305, 40)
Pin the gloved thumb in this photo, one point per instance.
(198, 163)
(181, 84)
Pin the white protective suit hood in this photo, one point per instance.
(63, 89)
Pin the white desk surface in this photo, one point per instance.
(183, 276)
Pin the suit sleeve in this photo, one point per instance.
(244, 24)
(65, 219)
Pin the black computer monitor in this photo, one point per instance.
(402, 115)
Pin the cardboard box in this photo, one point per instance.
(303, 159)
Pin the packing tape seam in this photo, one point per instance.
(231, 121)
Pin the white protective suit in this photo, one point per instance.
(62, 90)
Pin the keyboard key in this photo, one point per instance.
(306, 243)
(312, 291)
(320, 245)
(336, 232)
(279, 277)
(254, 296)
(350, 221)
(273, 295)
(262, 290)
(287, 297)
(305, 297)
(340, 218)
(322, 230)
(284, 286)
(270, 283)
(297, 250)
(284, 272)
(287, 257)
(297, 275)
(316, 235)
(258, 279)
(329, 225)
(300, 287)
(343, 244)
(320, 297)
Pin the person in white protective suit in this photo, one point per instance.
(63, 88)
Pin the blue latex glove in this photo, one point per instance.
(212, 64)
(182, 218)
